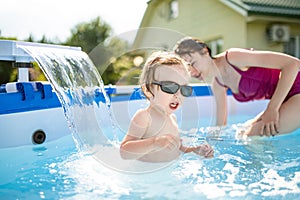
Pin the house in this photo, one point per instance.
(259, 24)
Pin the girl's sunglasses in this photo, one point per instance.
(172, 87)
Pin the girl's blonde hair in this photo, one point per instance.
(156, 60)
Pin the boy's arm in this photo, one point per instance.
(203, 150)
(133, 146)
(185, 149)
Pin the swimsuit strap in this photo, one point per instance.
(226, 57)
(221, 84)
(236, 68)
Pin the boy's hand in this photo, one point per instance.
(204, 150)
(167, 141)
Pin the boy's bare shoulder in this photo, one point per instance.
(141, 113)
(141, 117)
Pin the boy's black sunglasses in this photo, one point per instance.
(172, 87)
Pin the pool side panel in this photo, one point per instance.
(17, 128)
(31, 108)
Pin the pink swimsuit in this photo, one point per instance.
(259, 83)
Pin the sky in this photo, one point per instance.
(56, 18)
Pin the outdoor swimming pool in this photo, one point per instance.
(266, 168)
(87, 164)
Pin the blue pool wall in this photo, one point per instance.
(32, 106)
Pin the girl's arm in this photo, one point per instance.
(270, 117)
(289, 67)
(220, 94)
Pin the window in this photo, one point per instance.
(216, 46)
(292, 47)
(174, 11)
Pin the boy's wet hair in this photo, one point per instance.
(156, 60)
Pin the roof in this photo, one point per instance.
(287, 8)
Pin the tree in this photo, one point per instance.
(7, 72)
(89, 35)
(106, 52)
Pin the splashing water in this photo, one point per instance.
(86, 105)
(241, 169)
(80, 90)
(254, 169)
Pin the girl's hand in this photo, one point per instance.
(270, 119)
(204, 150)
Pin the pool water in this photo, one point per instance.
(256, 168)
(88, 165)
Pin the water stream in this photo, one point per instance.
(86, 105)
(80, 90)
